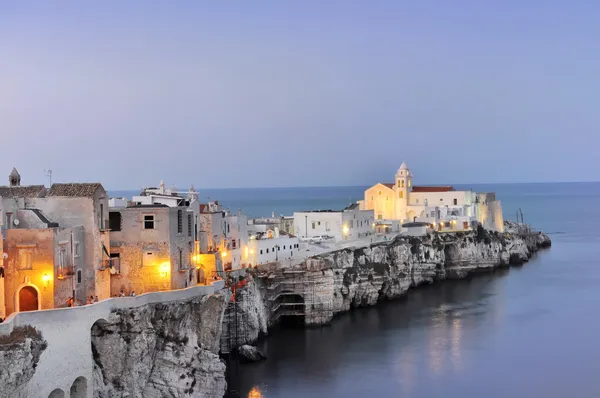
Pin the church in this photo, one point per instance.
(444, 207)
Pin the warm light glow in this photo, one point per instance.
(223, 254)
(255, 393)
(345, 230)
(251, 251)
(46, 278)
(195, 258)
(164, 268)
(246, 251)
(442, 224)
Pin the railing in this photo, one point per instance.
(65, 271)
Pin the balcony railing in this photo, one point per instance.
(65, 271)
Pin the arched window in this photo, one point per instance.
(78, 276)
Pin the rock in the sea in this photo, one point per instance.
(250, 353)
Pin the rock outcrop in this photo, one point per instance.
(161, 350)
(19, 354)
(338, 281)
(248, 353)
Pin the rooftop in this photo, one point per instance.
(422, 188)
(29, 191)
(74, 189)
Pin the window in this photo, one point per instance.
(62, 258)
(76, 249)
(398, 183)
(179, 221)
(190, 223)
(267, 251)
(402, 183)
(401, 194)
(101, 216)
(455, 201)
(78, 276)
(149, 221)
(386, 198)
(261, 252)
(180, 257)
(283, 247)
(319, 223)
(417, 201)
(26, 259)
(379, 193)
(233, 244)
(148, 258)
(114, 221)
(409, 183)
(313, 225)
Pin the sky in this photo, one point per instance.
(299, 93)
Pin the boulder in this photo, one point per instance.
(250, 353)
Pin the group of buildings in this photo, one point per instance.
(400, 206)
(72, 243)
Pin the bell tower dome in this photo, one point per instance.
(402, 188)
(14, 178)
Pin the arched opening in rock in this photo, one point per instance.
(58, 393)
(291, 309)
(79, 388)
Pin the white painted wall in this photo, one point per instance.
(310, 224)
(359, 223)
(279, 249)
(68, 333)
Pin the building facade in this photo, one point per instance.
(272, 246)
(348, 224)
(152, 247)
(442, 206)
(46, 231)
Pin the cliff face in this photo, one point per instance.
(161, 350)
(19, 354)
(340, 280)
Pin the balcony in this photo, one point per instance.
(113, 264)
(65, 272)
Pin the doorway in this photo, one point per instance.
(28, 299)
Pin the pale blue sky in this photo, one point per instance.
(306, 93)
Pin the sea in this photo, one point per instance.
(526, 331)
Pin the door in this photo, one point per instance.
(28, 299)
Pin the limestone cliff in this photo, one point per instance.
(161, 350)
(19, 354)
(337, 281)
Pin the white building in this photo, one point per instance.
(442, 206)
(272, 246)
(348, 224)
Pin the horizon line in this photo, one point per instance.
(362, 186)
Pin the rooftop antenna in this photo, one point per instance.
(49, 175)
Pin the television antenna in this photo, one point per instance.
(49, 175)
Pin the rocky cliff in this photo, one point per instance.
(19, 354)
(338, 281)
(161, 350)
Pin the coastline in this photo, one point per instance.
(329, 284)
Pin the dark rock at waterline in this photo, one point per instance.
(249, 354)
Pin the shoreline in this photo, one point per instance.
(340, 281)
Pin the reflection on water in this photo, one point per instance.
(255, 393)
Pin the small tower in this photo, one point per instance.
(14, 179)
(192, 194)
(402, 187)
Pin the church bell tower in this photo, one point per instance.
(402, 188)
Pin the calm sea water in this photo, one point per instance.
(529, 331)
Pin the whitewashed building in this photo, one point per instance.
(348, 224)
(442, 206)
(272, 246)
